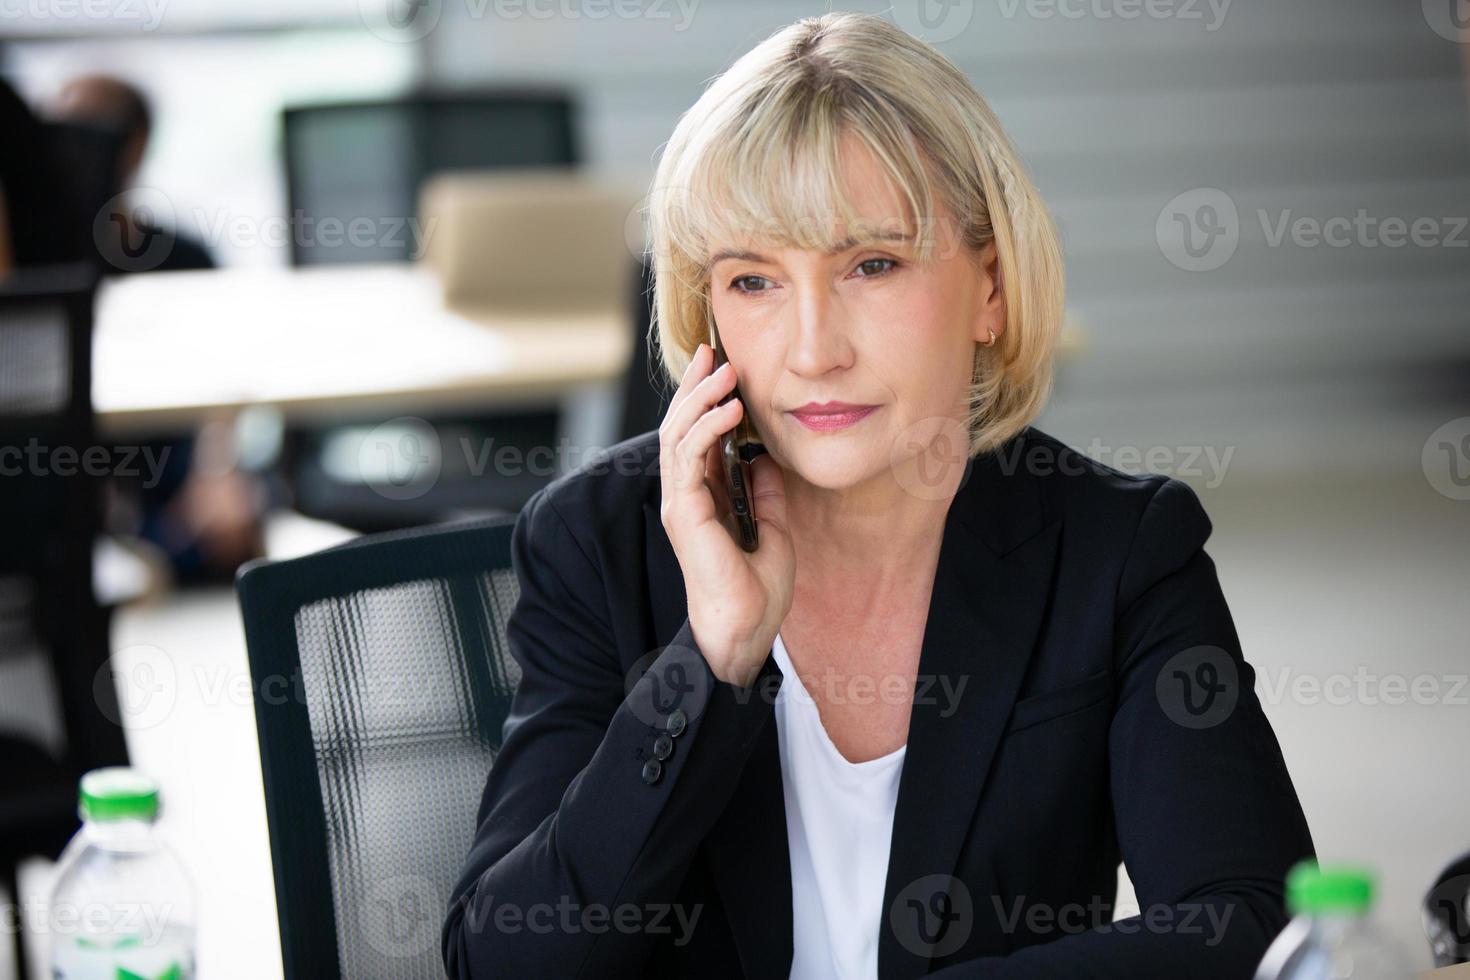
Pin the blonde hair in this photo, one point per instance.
(759, 151)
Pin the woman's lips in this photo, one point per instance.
(824, 420)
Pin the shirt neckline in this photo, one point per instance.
(789, 676)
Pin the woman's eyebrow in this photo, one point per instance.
(745, 255)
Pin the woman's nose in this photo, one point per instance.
(819, 339)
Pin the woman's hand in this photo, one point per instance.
(737, 599)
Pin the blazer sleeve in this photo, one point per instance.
(1208, 821)
(577, 846)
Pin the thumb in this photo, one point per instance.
(769, 490)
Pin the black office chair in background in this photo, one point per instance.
(369, 159)
(383, 679)
(59, 713)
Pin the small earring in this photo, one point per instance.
(991, 341)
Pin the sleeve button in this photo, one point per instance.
(652, 769)
(676, 722)
(663, 747)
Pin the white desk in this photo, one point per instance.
(330, 342)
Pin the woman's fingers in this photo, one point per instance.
(673, 427)
(684, 435)
(701, 438)
(698, 367)
(703, 396)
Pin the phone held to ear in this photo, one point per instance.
(735, 466)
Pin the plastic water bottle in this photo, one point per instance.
(1331, 934)
(123, 906)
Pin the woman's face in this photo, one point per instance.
(865, 326)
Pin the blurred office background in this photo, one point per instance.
(1263, 208)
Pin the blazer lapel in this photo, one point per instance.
(990, 591)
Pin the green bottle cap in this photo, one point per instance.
(1313, 890)
(117, 793)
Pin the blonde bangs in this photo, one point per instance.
(784, 188)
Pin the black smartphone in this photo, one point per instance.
(733, 462)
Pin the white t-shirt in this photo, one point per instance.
(839, 822)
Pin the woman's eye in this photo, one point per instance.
(749, 285)
(738, 284)
(871, 273)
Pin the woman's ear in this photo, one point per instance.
(990, 299)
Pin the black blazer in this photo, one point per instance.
(1107, 714)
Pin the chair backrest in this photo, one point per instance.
(55, 177)
(54, 691)
(367, 160)
(87, 157)
(382, 679)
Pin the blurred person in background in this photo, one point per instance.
(202, 518)
(115, 105)
(204, 513)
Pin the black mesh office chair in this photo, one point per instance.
(58, 705)
(383, 679)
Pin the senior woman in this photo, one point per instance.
(966, 671)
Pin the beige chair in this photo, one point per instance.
(541, 256)
(529, 240)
